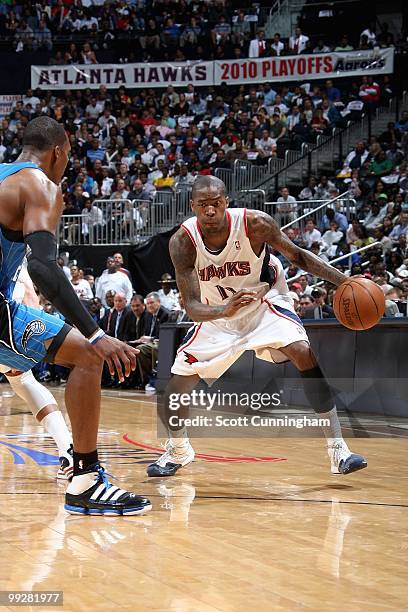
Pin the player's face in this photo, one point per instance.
(209, 206)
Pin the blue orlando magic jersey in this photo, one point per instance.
(12, 248)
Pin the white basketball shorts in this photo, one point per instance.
(211, 347)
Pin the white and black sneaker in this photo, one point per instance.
(342, 460)
(175, 457)
(66, 468)
(92, 493)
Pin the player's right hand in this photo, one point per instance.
(241, 298)
(118, 355)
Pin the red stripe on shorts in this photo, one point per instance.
(282, 315)
(182, 347)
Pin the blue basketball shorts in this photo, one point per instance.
(24, 332)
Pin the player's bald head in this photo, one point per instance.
(44, 133)
(207, 183)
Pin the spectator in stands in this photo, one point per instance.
(330, 216)
(277, 46)
(92, 220)
(297, 43)
(321, 47)
(278, 129)
(355, 159)
(185, 179)
(375, 217)
(121, 192)
(402, 124)
(323, 188)
(309, 192)
(135, 325)
(380, 166)
(305, 303)
(117, 321)
(148, 350)
(331, 239)
(369, 34)
(286, 207)
(266, 145)
(311, 234)
(105, 321)
(115, 281)
(139, 192)
(319, 309)
(257, 46)
(168, 295)
(96, 309)
(391, 135)
(81, 286)
(370, 93)
(118, 258)
(402, 226)
(95, 152)
(344, 44)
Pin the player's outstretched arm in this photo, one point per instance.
(262, 228)
(183, 255)
(43, 207)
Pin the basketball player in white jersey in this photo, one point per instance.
(38, 398)
(235, 292)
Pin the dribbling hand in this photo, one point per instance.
(241, 298)
(118, 355)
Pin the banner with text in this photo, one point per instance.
(271, 69)
(305, 67)
(128, 75)
(7, 103)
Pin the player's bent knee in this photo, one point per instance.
(31, 391)
(301, 355)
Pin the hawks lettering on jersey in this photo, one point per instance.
(229, 268)
(236, 266)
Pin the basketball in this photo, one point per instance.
(359, 303)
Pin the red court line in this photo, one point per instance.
(215, 458)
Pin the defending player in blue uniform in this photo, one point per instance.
(30, 208)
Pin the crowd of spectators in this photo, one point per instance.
(78, 31)
(121, 312)
(376, 174)
(137, 145)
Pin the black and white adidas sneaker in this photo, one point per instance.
(92, 493)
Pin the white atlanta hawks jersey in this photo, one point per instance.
(236, 266)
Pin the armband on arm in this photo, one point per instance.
(54, 285)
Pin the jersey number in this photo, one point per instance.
(223, 292)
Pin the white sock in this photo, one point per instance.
(179, 437)
(332, 432)
(55, 425)
(81, 483)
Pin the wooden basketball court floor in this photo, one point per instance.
(223, 535)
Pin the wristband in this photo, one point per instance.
(96, 336)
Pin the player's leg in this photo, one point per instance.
(89, 492)
(178, 450)
(44, 407)
(320, 397)
(197, 357)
